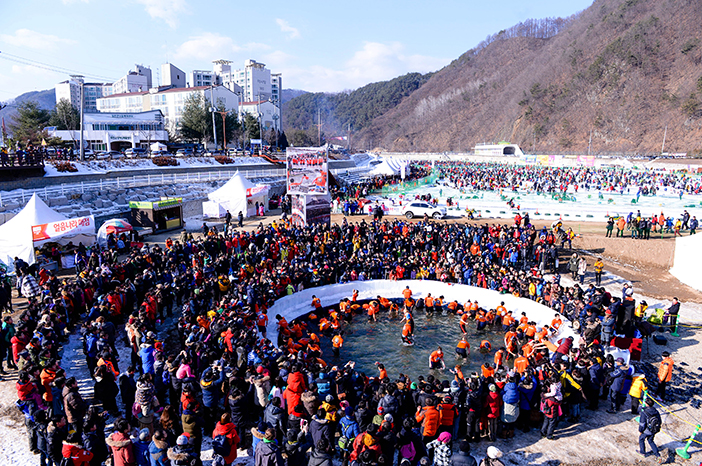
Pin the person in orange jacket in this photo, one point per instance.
(436, 359)
(665, 374)
(429, 419)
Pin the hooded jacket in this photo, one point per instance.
(229, 431)
(182, 455)
(268, 454)
(320, 458)
(73, 404)
(80, 456)
(122, 449)
(158, 453)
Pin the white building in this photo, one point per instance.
(137, 80)
(169, 101)
(172, 76)
(264, 110)
(255, 81)
(117, 131)
(70, 90)
(199, 78)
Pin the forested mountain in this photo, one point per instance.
(46, 100)
(619, 72)
(355, 108)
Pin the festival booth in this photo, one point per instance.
(16, 234)
(163, 215)
(686, 264)
(236, 195)
(115, 226)
(55, 242)
(298, 304)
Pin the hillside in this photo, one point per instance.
(46, 100)
(356, 108)
(622, 70)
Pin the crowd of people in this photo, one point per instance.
(214, 374)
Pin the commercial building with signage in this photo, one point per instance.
(118, 131)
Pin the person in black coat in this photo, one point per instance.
(274, 415)
(649, 426)
(320, 454)
(320, 428)
(127, 390)
(56, 433)
(463, 457)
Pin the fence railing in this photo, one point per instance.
(23, 195)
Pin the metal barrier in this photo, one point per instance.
(48, 192)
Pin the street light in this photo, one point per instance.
(275, 126)
(82, 104)
(213, 110)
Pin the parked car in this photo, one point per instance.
(115, 155)
(102, 155)
(159, 153)
(184, 153)
(419, 208)
(134, 152)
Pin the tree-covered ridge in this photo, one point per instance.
(356, 108)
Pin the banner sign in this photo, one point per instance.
(297, 214)
(163, 204)
(318, 209)
(71, 227)
(307, 171)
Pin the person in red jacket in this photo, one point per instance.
(429, 419)
(226, 428)
(493, 407)
(78, 455)
(121, 445)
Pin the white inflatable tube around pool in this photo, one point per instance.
(297, 304)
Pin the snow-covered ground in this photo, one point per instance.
(96, 167)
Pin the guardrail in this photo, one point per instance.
(23, 195)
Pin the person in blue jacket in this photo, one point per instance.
(211, 385)
(510, 408)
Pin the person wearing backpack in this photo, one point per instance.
(225, 440)
(649, 426)
(348, 430)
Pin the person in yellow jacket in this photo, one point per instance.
(638, 385)
(640, 311)
(599, 267)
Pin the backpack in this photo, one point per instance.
(221, 446)
(408, 451)
(166, 377)
(653, 423)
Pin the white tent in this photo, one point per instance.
(158, 146)
(236, 195)
(688, 257)
(384, 168)
(16, 234)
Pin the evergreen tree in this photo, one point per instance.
(65, 116)
(29, 123)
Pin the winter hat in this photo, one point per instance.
(329, 399)
(413, 385)
(445, 437)
(144, 434)
(182, 440)
(348, 411)
(388, 417)
(380, 410)
(492, 387)
(493, 452)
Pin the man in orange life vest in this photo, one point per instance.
(436, 359)
(337, 343)
(463, 347)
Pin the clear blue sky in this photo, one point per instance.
(318, 46)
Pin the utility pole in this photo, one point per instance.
(348, 136)
(224, 130)
(665, 133)
(82, 110)
(319, 127)
(589, 144)
(213, 109)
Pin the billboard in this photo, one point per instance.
(307, 170)
(318, 209)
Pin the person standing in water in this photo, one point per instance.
(436, 359)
